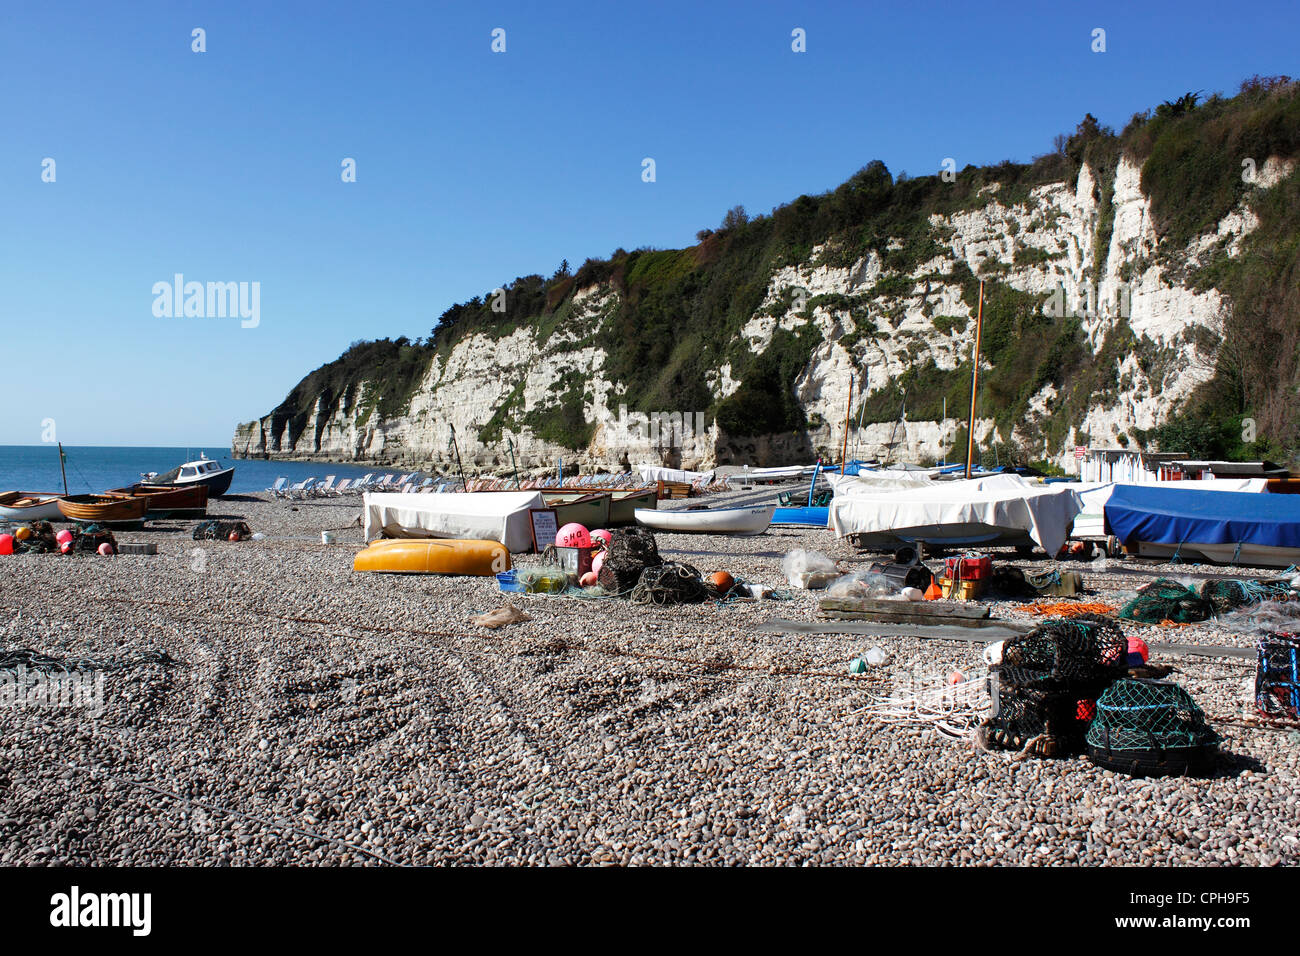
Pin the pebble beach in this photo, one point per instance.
(263, 704)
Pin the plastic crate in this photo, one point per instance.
(970, 567)
(963, 590)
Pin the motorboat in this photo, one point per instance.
(204, 471)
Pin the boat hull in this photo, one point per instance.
(1246, 555)
(217, 483)
(589, 510)
(802, 517)
(623, 505)
(433, 556)
(967, 535)
(44, 507)
(734, 521)
(100, 509)
(189, 501)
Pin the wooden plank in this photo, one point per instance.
(916, 609)
(902, 618)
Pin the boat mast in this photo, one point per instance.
(63, 470)
(848, 417)
(456, 449)
(974, 381)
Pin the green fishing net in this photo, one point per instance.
(1143, 715)
(1167, 600)
(1228, 594)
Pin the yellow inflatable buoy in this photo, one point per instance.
(23, 534)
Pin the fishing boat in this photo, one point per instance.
(623, 505)
(188, 501)
(1000, 511)
(1226, 527)
(204, 471)
(102, 509)
(737, 521)
(30, 506)
(587, 509)
(802, 517)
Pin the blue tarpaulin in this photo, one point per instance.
(1174, 516)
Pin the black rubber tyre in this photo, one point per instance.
(1172, 762)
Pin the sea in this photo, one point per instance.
(96, 468)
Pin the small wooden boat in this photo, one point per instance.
(101, 509)
(182, 500)
(623, 505)
(587, 509)
(738, 521)
(433, 556)
(30, 506)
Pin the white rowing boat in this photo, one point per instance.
(739, 521)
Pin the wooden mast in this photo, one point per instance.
(848, 417)
(974, 382)
(63, 470)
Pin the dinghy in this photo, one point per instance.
(738, 521)
(623, 505)
(30, 506)
(587, 509)
(101, 509)
(433, 556)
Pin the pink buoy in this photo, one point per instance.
(588, 579)
(6, 544)
(598, 562)
(62, 536)
(106, 550)
(573, 535)
(603, 536)
(1138, 652)
(65, 547)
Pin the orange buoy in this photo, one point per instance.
(722, 581)
(23, 533)
(933, 592)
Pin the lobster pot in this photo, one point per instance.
(904, 575)
(1088, 649)
(631, 551)
(1277, 678)
(1054, 717)
(1151, 728)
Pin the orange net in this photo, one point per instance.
(1067, 609)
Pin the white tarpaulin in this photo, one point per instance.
(1091, 522)
(484, 515)
(949, 510)
(656, 473)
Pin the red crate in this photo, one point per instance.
(971, 567)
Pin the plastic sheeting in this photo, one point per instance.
(940, 512)
(485, 515)
(1161, 515)
(656, 473)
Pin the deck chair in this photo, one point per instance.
(326, 487)
(277, 489)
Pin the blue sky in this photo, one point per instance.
(474, 167)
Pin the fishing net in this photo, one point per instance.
(86, 539)
(631, 551)
(1167, 600)
(213, 530)
(38, 539)
(1151, 717)
(1277, 678)
(1087, 648)
(670, 583)
(1228, 594)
